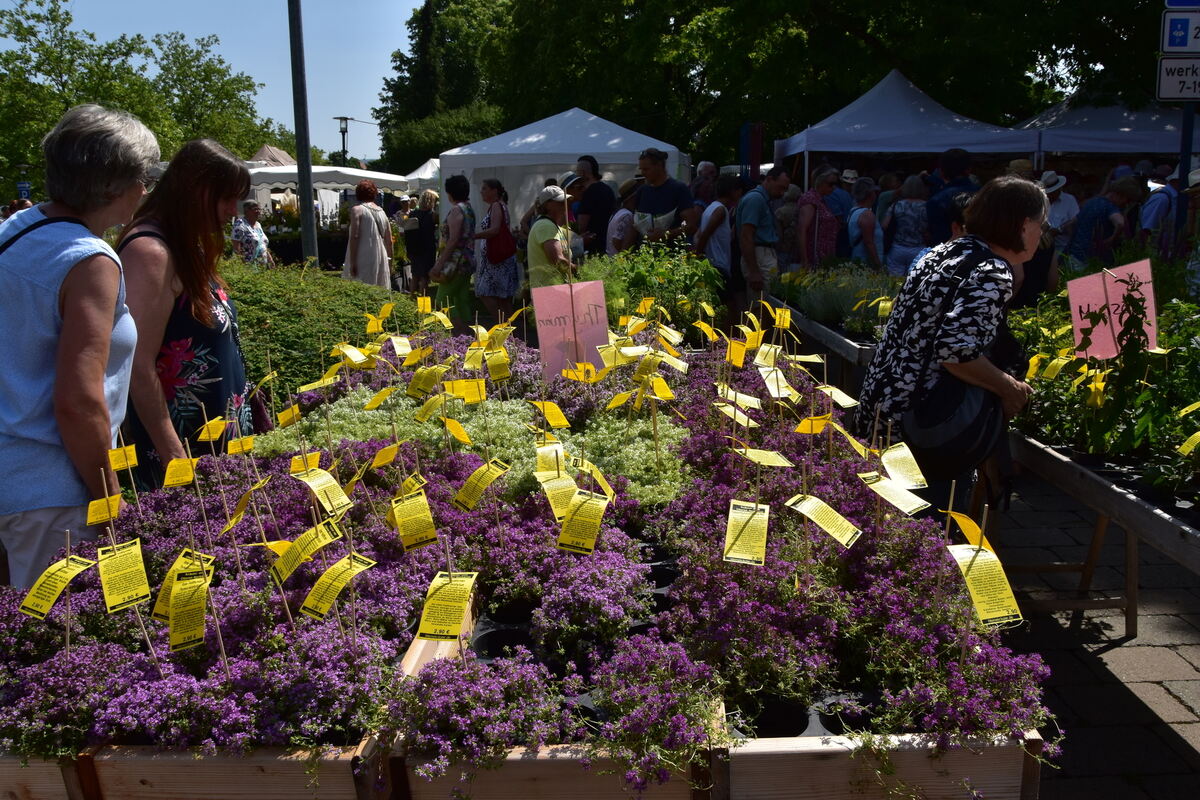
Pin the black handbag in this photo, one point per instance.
(952, 426)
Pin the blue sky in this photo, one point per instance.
(347, 50)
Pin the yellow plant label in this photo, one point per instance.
(659, 388)
(270, 376)
(350, 353)
(1190, 444)
(412, 519)
(735, 414)
(581, 526)
(235, 447)
(327, 490)
(211, 430)
(754, 339)
(670, 334)
(317, 384)
(766, 355)
(440, 317)
(468, 496)
(746, 532)
(446, 606)
(423, 381)
(186, 560)
(239, 511)
(553, 414)
(735, 353)
(473, 360)
(189, 601)
(618, 400)
(424, 305)
(352, 484)
(471, 390)
(401, 346)
(431, 406)
(497, 365)
(559, 489)
(414, 357)
(895, 494)
(103, 510)
(385, 310)
(706, 329)
(1055, 366)
(325, 591)
(766, 458)
(858, 446)
(374, 324)
(783, 318)
(777, 385)
(303, 549)
(645, 306)
(841, 398)
(541, 433)
(384, 456)
(50, 584)
(120, 458)
(304, 462)
(550, 458)
(123, 575)
(1183, 412)
(1035, 366)
(990, 592)
(456, 429)
(180, 472)
(806, 359)
(825, 518)
(412, 483)
(498, 335)
(901, 466)
(597, 475)
(289, 416)
(970, 530)
(736, 397)
(753, 320)
(707, 309)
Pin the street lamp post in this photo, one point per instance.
(343, 128)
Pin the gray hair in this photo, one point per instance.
(862, 189)
(250, 205)
(94, 154)
(914, 188)
(821, 173)
(700, 167)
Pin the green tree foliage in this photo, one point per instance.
(691, 72)
(180, 89)
(407, 145)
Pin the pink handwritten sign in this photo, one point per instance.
(1104, 289)
(572, 321)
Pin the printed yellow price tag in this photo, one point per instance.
(180, 472)
(826, 518)
(471, 390)
(670, 334)
(706, 329)
(423, 381)
(550, 458)
(559, 489)
(1190, 444)
(289, 416)
(424, 305)
(901, 466)
(433, 405)
(50, 584)
(352, 484)
(970, 530)
(327, 490)
(497, 365)
(412, 483)
(325, 591)
(103, 510)
(813, 425)
(243, 502)
(647, 367)
(581, 526)
(414, 357)
(597, 475)
(1035, 366)
(211, 430)
(446, 606)
(660, 390)
(735, 414)
(473, 360)
(123, 575)
(374, 323)
(783, 318)
(122, 458)
(189, 596)
(270, 376)
(304, 462)
(895, 494)
(735, 353)
(645, 306)
(1183, 412)
(746, 532)
(738, 398)
(766, 355)
(553, 414)
(401, 346)
(468, 496)
(412, 519)
(320, 383)
(767, 458)
(777, 385)
(990, 592)
(841, 398)
(185, 561)
(303, 549)
(350, 353)
(236, 447)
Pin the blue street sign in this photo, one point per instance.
(24, 189)
(1177, 31)
(1183, 4)
(1180, 32)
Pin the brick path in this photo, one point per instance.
(1130, 707)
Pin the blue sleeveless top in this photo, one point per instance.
(32, 270)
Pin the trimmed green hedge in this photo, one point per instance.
(294, 312)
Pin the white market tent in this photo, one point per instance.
(428, 172)
(1109, 129)
(325, 178)
(272, 156)
(894, 116)
(523, 158)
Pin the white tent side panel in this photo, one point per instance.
(523, 158)
(1110, 129)
(894, 116)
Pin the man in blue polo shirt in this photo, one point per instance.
(757, 234)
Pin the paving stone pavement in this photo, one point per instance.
(1130, 708)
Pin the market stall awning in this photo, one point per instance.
(1109, 129)
(326, 178)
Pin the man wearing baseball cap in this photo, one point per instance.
(548, 253)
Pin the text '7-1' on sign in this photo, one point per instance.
(1178, 78)
(1181, 31)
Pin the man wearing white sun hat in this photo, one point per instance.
(1064, 208)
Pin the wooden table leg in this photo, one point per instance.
(1131, 584)
(1089, 564)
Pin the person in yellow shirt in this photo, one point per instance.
(549, 254)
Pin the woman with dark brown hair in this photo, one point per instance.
(369, 249)
(188, 364)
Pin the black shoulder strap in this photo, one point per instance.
(960, 275)
(139, 235)
(37, 225)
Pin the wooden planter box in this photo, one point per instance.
(38, 780)
(825, 767)
(846, 359)
(269, 773)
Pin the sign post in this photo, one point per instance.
(24, 189)
(1179, 79)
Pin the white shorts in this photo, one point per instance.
(768, 263)
(32, 538)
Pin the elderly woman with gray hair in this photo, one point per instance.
(69, 335)
(249, 240)
(866, 234)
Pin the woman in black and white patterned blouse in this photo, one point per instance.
(1003, 225)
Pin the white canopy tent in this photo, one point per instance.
(523, 158)
(426, 176)
(894, 116)
(326, 178)
(1109, 129)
